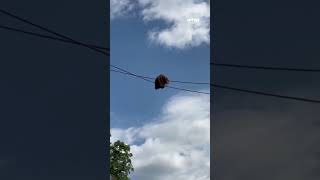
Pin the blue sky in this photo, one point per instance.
(135, 104)
(131, 49)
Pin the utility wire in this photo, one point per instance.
(189, 82)
(72, 40)
(264, 67)
(48, 37)
(94, 47)
(240, 90)
(97, 48)
(76, 42)
(172, 87)
(188, 90)
(51, 31)
(123, 71)
(144, 78)
(265, 94)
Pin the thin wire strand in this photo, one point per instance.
(96, 48)
(172, 87)
(65, 37)
(189, 82)
(183, 82)
(48, 37)
(129, 73)
(242, 90)
(145, 77)
(265, 94)
(265, 67)
(188, 90)
(51, 31)
(214, 85)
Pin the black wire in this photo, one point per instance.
(216, 64)
(107, 49)
(241, 90)
(182, 89)
(48, 37)
(265, 94)
(51, 31)
(70, 39)
(188, 82)
(123, 71)
(172, 87)
(146, 77)
(264, 67)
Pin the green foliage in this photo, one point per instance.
(120, 160)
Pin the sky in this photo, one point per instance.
(152, 38)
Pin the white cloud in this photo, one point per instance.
(119, 8)
(179, 32)
(123, 135)
(176, 144)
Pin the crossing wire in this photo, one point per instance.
(243, 90)
(51, 31)
(48, 37)
(144, 78)
(264, 67)
(172, 87)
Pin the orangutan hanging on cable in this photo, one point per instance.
(161, 81)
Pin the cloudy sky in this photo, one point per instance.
(169, 130)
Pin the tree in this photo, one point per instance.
(120, 161)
